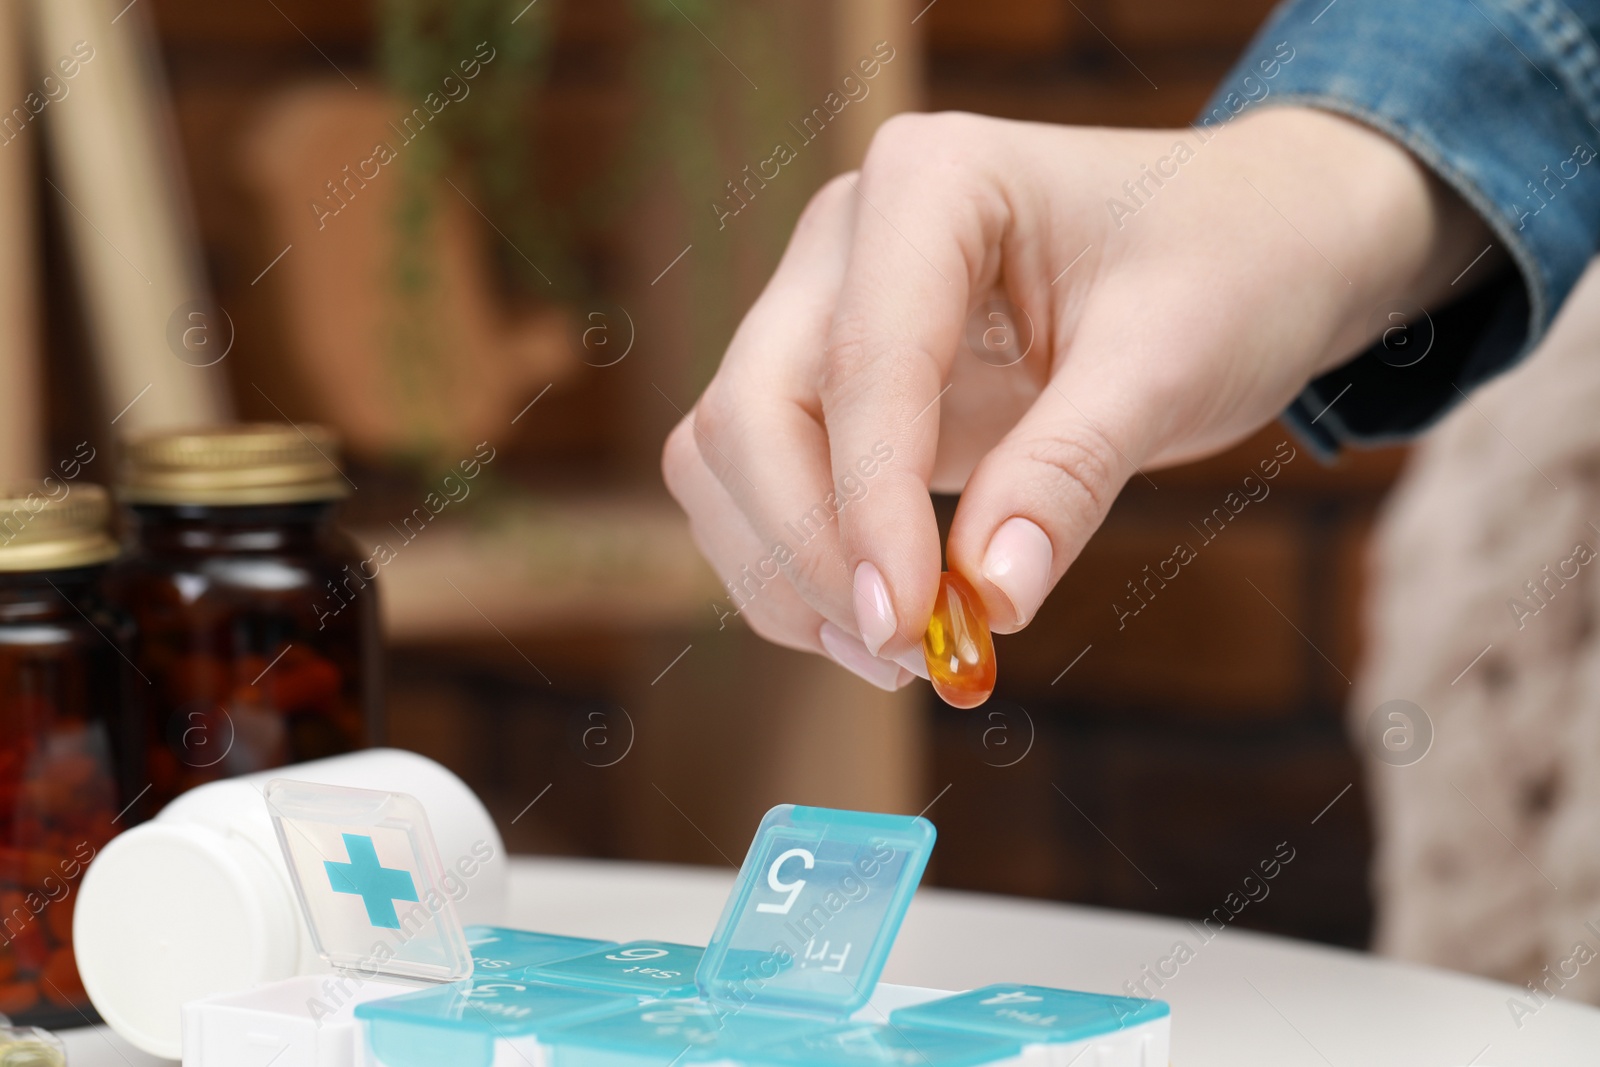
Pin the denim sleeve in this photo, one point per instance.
(1500, 98)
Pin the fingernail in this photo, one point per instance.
(914, 662)
(853, 656)
(1017, 563)
(874, 611)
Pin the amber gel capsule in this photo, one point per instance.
(957, 645)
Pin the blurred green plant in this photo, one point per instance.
(703, 121)
(699, 121)
(485, 139)
(422, 41)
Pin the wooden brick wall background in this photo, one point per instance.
(1173, 755)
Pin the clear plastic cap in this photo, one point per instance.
(370, 882)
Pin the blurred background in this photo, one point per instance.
(541, 261)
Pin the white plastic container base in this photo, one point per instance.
(309, 1021)
(526, 1051)
(199, 902)
(304, 1020)
(1146, 1044)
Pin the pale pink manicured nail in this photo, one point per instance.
(914, 662)
(850, 654)
(1017, 563)
(874, 611)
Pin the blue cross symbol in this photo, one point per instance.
(377, 886)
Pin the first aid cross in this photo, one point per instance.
(377, 886)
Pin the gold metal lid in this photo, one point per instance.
(247, 463)
(50, 527)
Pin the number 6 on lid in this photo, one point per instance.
(815, 911)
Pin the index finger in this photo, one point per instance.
(925, 223)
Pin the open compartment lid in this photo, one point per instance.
(370, 882)
(815, 911)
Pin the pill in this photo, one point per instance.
(957, 645)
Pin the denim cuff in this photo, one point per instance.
(1500, 98)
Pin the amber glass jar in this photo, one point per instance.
(257, 622)
(70, 738)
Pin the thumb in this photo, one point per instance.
(1032, 503)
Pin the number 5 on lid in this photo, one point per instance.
(815, 910)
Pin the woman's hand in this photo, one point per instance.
(1180, 292)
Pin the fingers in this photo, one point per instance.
(757, 591)
(759, 594)
(1035, 499)
(924, 230)
(758, 428)
(758, 424)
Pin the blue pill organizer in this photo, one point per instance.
(789, 977)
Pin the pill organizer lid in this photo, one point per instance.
(815, 910)
(499, 950)
(1033, 1012)
(376, 897)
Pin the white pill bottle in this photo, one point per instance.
(198, 901)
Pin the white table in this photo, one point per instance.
(1243, 1000)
